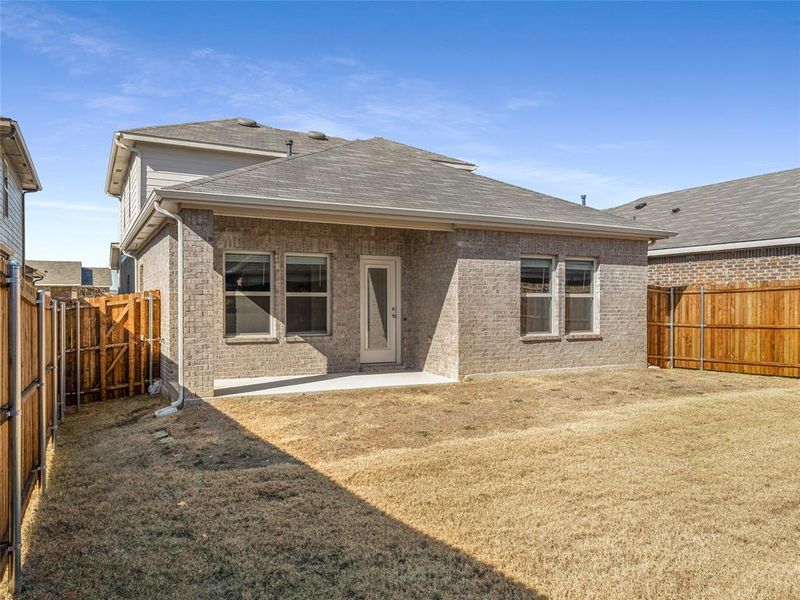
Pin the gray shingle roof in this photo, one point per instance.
(755, 208)
(378, 173)
(57, 272)
(96, 276)
(230, 133)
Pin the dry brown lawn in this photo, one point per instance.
(606, 484)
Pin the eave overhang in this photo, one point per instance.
(148, 221)
(18, 155)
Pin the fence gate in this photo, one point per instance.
(118, 342)
(747, 329)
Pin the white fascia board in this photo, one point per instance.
(132, 138)
(462, 220)
(791, 241)
(152, 139)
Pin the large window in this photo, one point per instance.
(307, 295)
(248, 294)
(579, 292)
(536, 289)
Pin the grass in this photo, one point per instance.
(608, 484)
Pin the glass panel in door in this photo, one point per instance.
(377, 308)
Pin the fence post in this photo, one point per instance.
(63, 369)
(42, 420)
(77, 354)
(15, 419)
(54, 359)
(702, 326)
(150, 339)
(671, 328)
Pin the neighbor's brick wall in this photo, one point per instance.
(489, 303)
(757, 264)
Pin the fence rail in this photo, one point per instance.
(55, 355)
(752, 328)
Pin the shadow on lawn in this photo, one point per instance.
(220, 513)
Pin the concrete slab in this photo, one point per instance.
(295, 384)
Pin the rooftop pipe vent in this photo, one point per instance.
(317, 135)
(247, 122)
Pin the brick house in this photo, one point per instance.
(70, 280)
(735, 231)
(323, 254)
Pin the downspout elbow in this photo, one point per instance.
(178, 403)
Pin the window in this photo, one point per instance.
(307, 295)
(579, 291)
(248, 294)
(5, 188)
(536, 289)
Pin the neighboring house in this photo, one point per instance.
(69, 280)
(333, 255)
(19, 178)
(735, 231)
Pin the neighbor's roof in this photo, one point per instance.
(17, 154)
(57, 272)
(96, 276)
(764, 207)
(384, 175)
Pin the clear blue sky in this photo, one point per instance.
(611, 100)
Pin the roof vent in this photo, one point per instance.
(676, 210)
(247, 122)
(640, 206)
(317, 135)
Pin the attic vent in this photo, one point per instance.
(640, 206)
(317, 135)
(676, 210)
(247, 122)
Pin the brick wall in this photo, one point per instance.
(489, 303)
(158, 267)
(459, 294)
(756, 264)
(425, 274)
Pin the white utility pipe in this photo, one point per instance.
(172, 408)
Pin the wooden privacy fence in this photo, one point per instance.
(118, 337)
(752, 328)
(54, 355)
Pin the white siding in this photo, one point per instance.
(167, 166)
(130, 200)
(11, 233)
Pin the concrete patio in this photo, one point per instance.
(296, 384)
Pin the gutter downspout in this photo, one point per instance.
(178, 403)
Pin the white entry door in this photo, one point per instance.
(380, 309)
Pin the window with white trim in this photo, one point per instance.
(248, 294)
(536, 295)
(307, 294)
(579, 289)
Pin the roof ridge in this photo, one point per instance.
(458, 160)
(180, 124)
(707, 185)
(264, 163)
